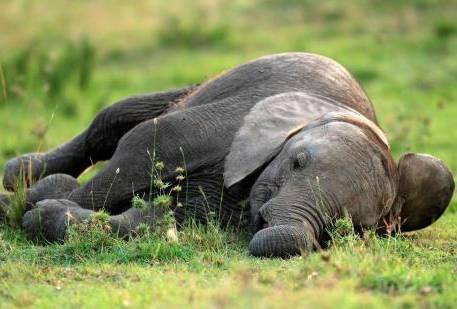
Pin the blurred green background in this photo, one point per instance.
(62, 61)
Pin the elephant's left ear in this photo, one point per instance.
(267, 126)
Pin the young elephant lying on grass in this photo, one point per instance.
(294, 134)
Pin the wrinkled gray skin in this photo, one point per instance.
(294, 134)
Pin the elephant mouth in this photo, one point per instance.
(260, 223)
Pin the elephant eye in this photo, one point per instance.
(300, 160)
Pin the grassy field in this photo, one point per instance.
(61, 62)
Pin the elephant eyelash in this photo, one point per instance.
(301, 160)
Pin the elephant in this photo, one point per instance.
(288, 141)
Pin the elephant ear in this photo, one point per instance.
(265, 129)
(426, 187)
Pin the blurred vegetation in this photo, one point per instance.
(61, 62)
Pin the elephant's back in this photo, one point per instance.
(288, 72)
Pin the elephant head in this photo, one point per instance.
(311, 171)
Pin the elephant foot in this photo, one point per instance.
(52, 187)
(57, 186)
(51, 219)
(29, 168)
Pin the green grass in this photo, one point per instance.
(59, 66)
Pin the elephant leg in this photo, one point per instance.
(112, 189)
(180, 139)
(51, 219)
(56, 186)
(96, 143)
(128, 172)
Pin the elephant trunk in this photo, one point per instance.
(281, 241)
